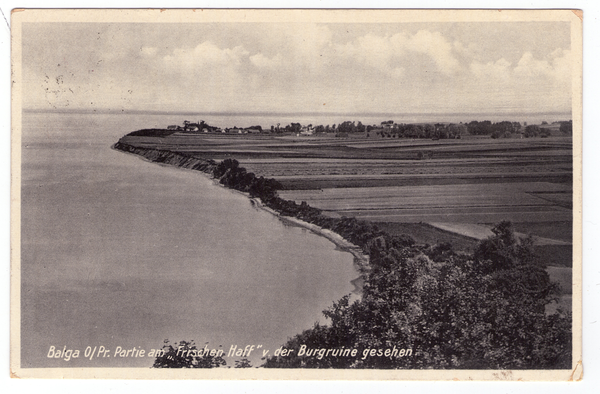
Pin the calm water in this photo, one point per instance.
(120, 252)
(268, 120)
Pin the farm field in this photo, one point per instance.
(445, 190)
(467, 209)
(542, 151)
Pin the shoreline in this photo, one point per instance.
(361, 260)
(333, 237)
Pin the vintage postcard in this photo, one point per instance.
(296, 194)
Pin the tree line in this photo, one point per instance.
(414, 130)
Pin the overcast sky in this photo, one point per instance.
(299, 67)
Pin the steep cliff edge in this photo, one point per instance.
(167, 157)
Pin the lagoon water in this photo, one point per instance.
(117, 251)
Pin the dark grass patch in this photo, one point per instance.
(555, 255)
(416, 180)
(426, 234)
(152, 133)
(564, 277)
(562, 231)
(548, 255)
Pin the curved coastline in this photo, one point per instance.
(335, 238)
(165, 157)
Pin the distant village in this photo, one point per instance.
(203, 127)
(390, 129)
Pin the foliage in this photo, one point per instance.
(257, 127)
(566, 127)
(235, 177)
(499, 134)
(198, 127)
(186, 355)
(532, 131)
(434, 131)
(494, 129)
(454, 310)
(243, 363)
(350, 127)
(293, 128)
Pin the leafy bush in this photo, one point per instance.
(485, 311)
(186, 355)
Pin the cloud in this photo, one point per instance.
(499, 69)
(528, 66)
(261, 61)
(535, 84)
(460, 48)
(396, 54)
(562, 63)
(309, 51)
(555, 69)
(284, 66)
(436, 47)
(205, 54)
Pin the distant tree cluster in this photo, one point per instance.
(198, 127)
(427, 130)
(566, 127)
(536, 131)
(293, 128)
(351, 127)
(497, 129)
(343, 128)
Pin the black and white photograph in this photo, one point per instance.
(305, 194)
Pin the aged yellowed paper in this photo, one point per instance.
(415, 174)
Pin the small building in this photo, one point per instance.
(189, 126)
(387, 125)
(307, 130)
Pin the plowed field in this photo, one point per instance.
(462, 187)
